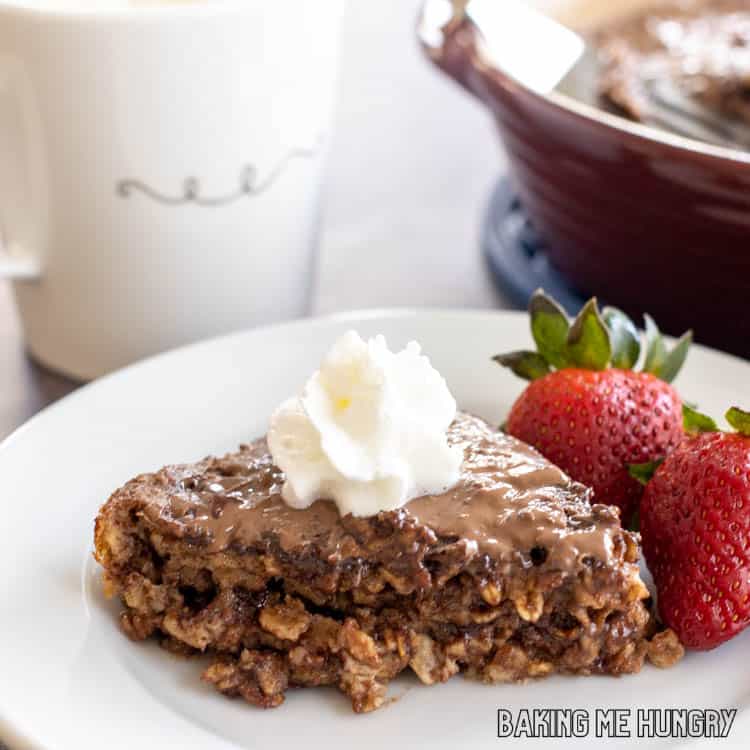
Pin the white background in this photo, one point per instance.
(413, 161)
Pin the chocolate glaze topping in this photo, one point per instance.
(509, 501)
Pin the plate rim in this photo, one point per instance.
(363, 314)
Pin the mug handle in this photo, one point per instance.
(18, 265)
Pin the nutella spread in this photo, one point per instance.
(508, 501)
(684, 66)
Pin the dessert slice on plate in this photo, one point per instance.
(507, 573)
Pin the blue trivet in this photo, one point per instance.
(516, 255)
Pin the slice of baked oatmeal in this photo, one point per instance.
(511, 574)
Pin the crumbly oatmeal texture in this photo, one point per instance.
(511, 574)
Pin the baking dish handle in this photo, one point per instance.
(483, 43)
(448, 37)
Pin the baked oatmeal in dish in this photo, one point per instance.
(682, 65)
(509, 574)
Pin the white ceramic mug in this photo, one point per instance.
(159, 169)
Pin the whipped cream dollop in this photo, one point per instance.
(368, 430)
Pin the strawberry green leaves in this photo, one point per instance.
(585, 343)
(676, 358)
(593, 341)
(588, 344)
(739, 419)
(656, 350)
(693, 421)
(660, 361)
(549, 327)
(643, 472)
(527, 365)
(623, 335)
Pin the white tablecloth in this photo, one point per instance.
(413, 161)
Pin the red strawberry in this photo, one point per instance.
(593, 415)
(695, 525)
(593, 424)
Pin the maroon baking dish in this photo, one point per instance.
(647, 220)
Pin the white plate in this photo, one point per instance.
(69, 679)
